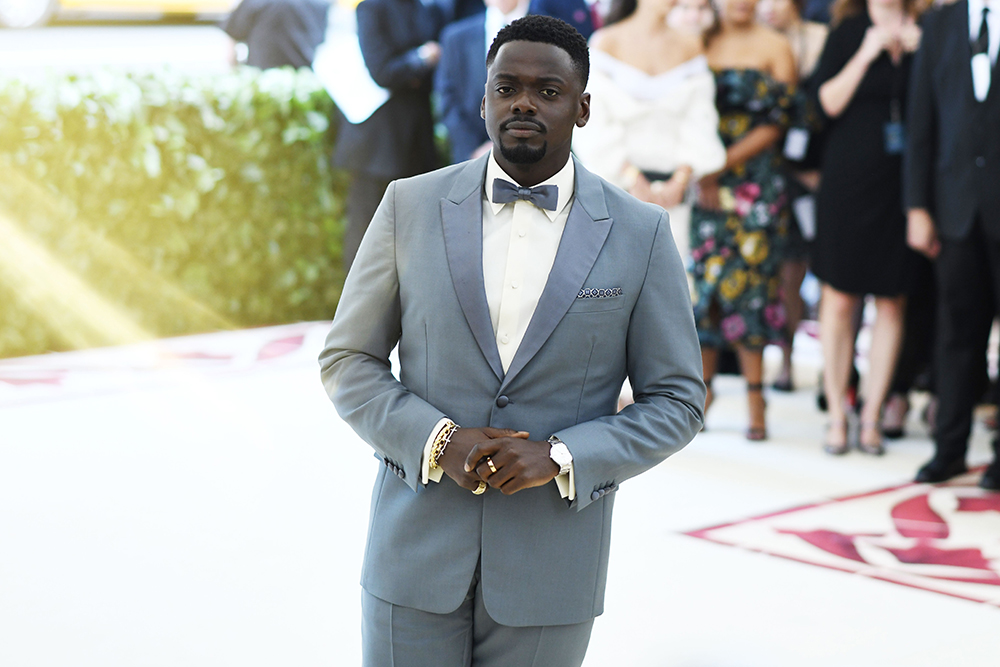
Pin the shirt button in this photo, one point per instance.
(514, 285)
(522, 233)
(505, 339)
(980, 161)
(502, 401)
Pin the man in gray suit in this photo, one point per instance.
(521, 290)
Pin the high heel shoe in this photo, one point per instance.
(756, 433)
(876, 448)
(836, 448)
(894, 416)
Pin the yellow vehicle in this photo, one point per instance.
(31, 13)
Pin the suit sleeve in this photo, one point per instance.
(389, 65)
(450, 83)
(921, 120)
(240, 21)
(664, 367)
(354, 364)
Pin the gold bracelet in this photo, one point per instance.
(441, 443)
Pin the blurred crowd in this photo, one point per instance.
(858, 140)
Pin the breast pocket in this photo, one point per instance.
(597, 305)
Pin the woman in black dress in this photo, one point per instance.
(860, 245)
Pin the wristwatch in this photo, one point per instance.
(559, 453)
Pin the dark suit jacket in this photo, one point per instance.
(398, 139)
(574, 12)
(279, 32)
(952, 165)
(460, 82)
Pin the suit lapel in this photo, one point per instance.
(462, 220)
(957, 41)
(586, 230)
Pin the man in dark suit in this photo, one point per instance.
(580, 14)
(952, 173)
(398, 40)
(278, 32)
(461, 75)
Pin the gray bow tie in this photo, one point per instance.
(542, 196)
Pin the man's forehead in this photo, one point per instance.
(535, 59)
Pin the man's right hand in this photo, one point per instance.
(920, 232)
(462, 442)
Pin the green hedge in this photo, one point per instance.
(157, 205)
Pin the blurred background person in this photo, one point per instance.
(953, 210)
(801, 152)
(860, 247)
(460, 79)
(584, 15)
(398, 40)
(739, 222)
(653, 125)
(278, 32)
(696, 17)
(817, 10)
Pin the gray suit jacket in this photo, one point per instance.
(418, 281)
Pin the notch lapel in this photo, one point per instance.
(462, 220)
(957, 41)
(587, 228)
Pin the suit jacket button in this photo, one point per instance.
(980, 161)
(595, 495)
(402, 474)
(502, 401)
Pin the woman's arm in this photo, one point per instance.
(837, 92)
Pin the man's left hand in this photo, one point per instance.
(520, 464)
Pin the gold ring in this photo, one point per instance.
(481, 489)
(493, 468)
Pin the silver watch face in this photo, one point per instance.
(560, 454)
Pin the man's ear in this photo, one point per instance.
(482, 108)
(584, 116)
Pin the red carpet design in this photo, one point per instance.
(942, 538)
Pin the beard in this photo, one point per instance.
(523, 154)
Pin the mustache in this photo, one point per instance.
(523, 120)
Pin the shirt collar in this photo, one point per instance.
(564, 179)
(976, 12)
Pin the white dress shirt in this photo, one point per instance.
(520, 242)
(983, 64)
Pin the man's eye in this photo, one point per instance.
(504, 90)
(549, 92)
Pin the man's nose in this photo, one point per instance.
(524, 105)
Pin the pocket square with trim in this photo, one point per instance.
(599, 292)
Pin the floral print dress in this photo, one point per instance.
(736, 252)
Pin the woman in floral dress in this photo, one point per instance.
(740, 220)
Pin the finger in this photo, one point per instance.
(491, 432)
(484, 472)
(478, 451)
(503, 476)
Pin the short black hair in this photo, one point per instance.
(548, 30)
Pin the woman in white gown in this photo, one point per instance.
(653, 124)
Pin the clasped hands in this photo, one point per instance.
(896, 40)
(520, 463)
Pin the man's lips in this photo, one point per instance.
(522, 128)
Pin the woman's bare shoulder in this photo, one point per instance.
(688, 45)
(607, 39)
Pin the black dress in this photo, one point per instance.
(860, 245)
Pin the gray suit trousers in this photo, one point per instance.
(396, 636)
